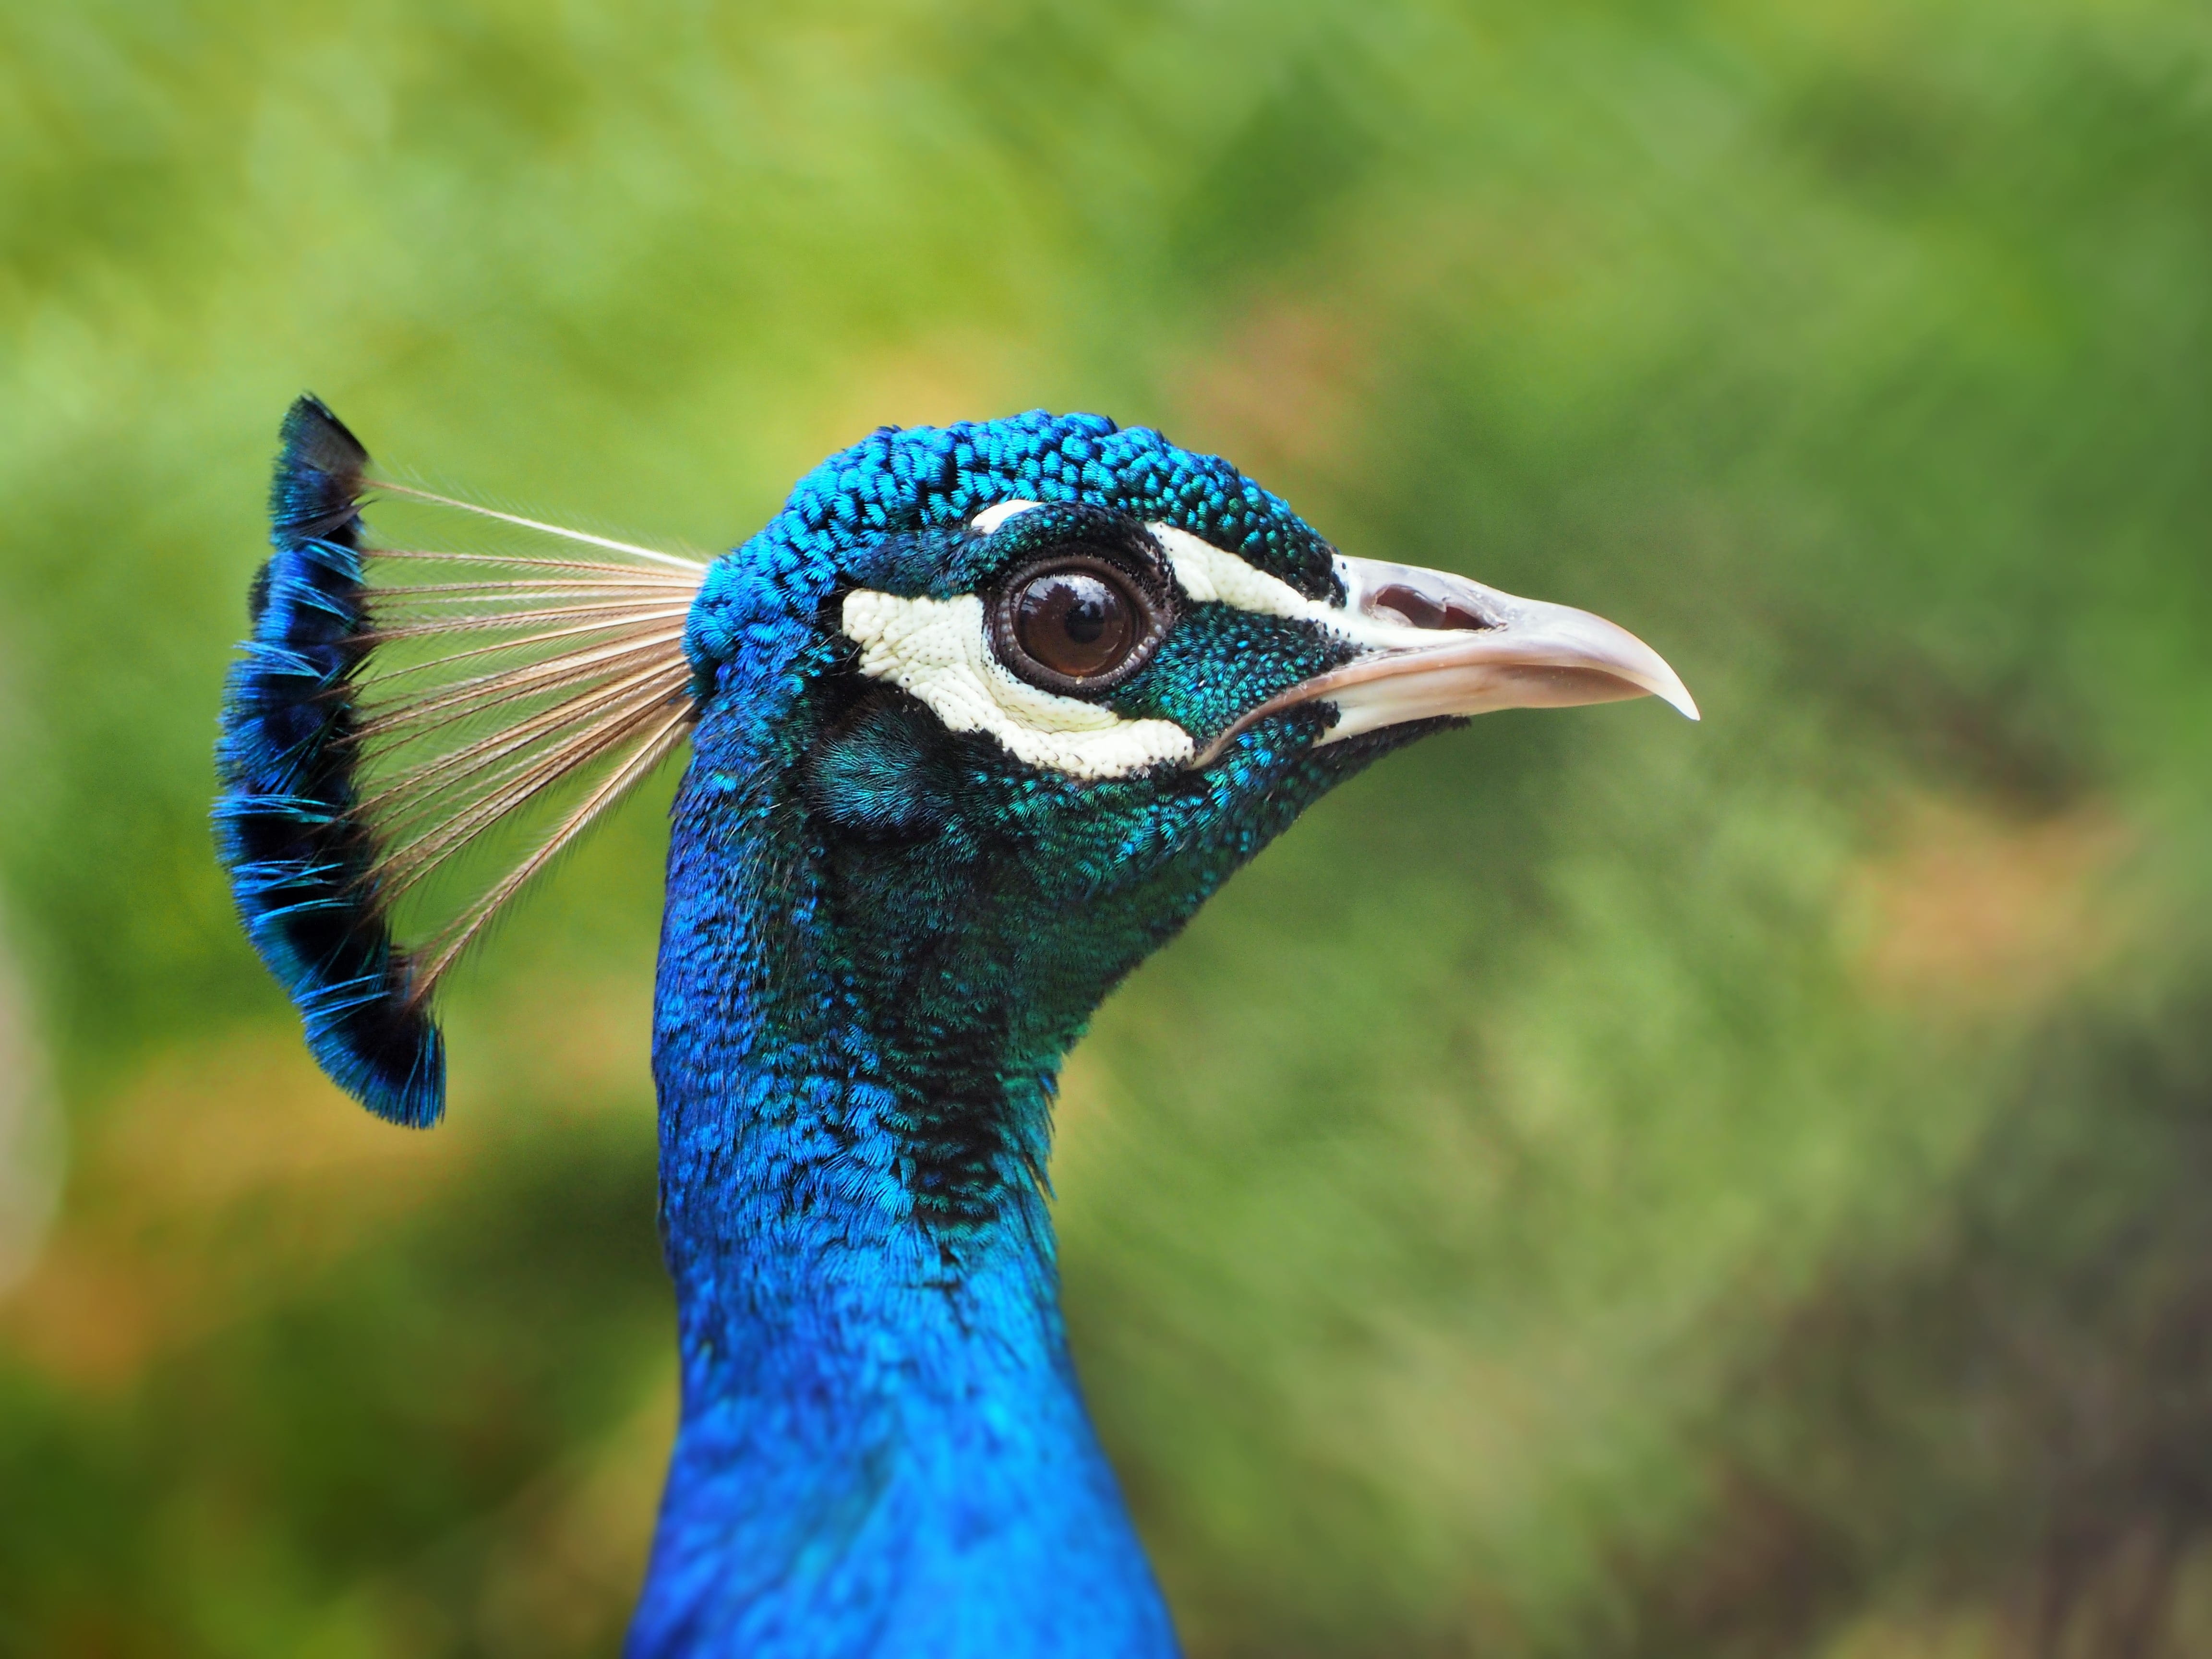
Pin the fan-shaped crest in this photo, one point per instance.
(400, 711)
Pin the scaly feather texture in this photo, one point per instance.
(882, 936)
(376, 729)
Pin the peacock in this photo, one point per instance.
(975, 723)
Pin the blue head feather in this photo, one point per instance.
(300, 856)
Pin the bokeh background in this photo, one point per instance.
(1600, 1187)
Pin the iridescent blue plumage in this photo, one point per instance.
(300, 857)
(920, 836)
(881, 938)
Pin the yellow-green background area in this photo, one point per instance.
(1600, 1186)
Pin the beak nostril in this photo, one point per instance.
(1419, 611)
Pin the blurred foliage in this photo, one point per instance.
(1600, 1187)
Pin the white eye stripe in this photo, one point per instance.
(991, 518)
(1209, 575)
(1205, 572)
(939, 651)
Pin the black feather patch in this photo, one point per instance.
(301, 858)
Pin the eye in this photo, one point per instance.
(1076, 621)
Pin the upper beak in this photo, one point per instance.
(1436, 644)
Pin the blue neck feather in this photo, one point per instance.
(883, 1447)
(881, 938)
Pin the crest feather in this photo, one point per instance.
(396, 706)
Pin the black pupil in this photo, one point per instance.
(1075, 623)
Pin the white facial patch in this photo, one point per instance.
(941, 651)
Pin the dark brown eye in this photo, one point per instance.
(1076, 623)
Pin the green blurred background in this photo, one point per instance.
(1599, 1186)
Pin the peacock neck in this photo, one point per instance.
(883, 1447)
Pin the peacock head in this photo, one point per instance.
(1040, 684)
(995, 706)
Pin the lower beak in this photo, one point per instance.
(1434, 644)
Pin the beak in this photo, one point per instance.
(1436, 644)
